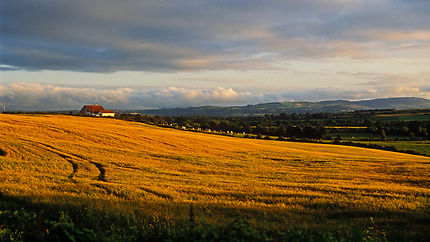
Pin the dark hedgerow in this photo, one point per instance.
(38, 222)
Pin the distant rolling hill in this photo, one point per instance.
(295, 107)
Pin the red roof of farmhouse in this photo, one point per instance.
(93, 108)
(106, 111)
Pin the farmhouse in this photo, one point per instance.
(106, 113)
(96, 110)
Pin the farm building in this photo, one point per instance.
(106, 113)
(96, 110)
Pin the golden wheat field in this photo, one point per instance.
(74, 156)
(54, 157)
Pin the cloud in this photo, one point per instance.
(30, 96)
(393, 85)
(224, 94)
(377, 79)
(36, 96)
(110, 35)
(180, 97)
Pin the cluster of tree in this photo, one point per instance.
(249, 125)
(312, 126)
(157, 120)
(411, 129)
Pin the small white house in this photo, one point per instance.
(106, 113)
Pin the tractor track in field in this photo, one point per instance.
(69, 158)
(158, 194)
(102, 171)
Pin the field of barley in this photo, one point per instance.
(141, 169)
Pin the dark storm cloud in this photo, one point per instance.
(112, 35)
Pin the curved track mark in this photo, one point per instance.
(58, 152)
(69, 158)
(102, 176)
(166, 196)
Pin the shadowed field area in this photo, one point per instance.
(133, 168)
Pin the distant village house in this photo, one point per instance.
(96, 110)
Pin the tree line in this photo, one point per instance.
(312, 126)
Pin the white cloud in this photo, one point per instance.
(224, 94)
(28, 96)
(36, 96)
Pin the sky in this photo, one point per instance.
(132, 54)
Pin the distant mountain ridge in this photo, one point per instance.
(295, 107)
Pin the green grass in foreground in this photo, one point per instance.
(22, 219)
